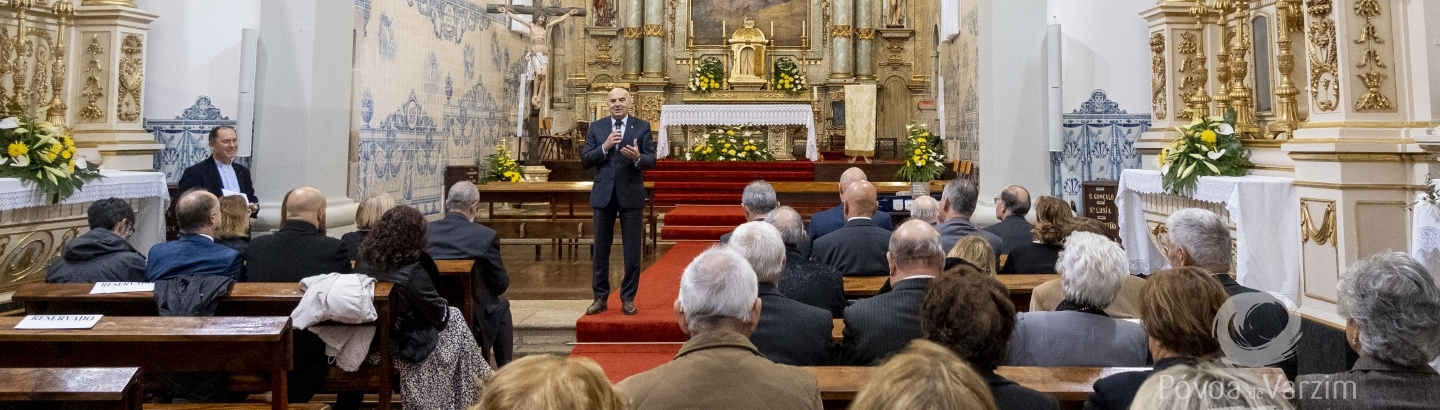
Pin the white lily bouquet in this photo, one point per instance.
(42, 153)
(1208, 147)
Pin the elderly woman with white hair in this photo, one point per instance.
(1391, 308)
(1079, 332)
(789, 332)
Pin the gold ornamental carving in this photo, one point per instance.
(6, 47)
(649, 108)
(1287, 108)
(1194, 69)
(40, 76)
(64, 9)
(1324, 56)
(865, 34)
(93, 92)
(1157, 75)
(1370, 58)
(132, 74)
(840, 31)
(896, 46)
(1159, 236)
(654, 30)
(632, 33)
(1323, 234)
(23, 48)
(1241, 96)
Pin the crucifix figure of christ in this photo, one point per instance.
(539, 44)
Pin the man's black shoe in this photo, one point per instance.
(597, 307)
(628, 307)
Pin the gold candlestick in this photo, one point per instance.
(56, 114)
(1240, 94)
(1287, 109)
(1199, 102)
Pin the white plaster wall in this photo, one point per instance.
(1105, 45)
(1012, 95)
(194, 50)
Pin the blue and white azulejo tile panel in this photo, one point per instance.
(1099, 140)
(186, 137)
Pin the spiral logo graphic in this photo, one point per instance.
(1256, 330)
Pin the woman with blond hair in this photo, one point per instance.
(974, 250)
(1053, 221)
(546, 382)
(234, 230)
(366, 215)
(924, 376)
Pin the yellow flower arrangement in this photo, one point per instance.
(710, 76)
(502, 166)
(924, 163)
(1208, 147)
(731, 143)
(786, 77)
(41, 153)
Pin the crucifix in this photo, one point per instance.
(539, 61)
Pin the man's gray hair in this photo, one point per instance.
(758, 198)
(962, 194)
(1092, 268)
(462, 195)
(925, 208)
(1202, 234)
(760, 244)
(907, 251)
(1396, 303)
(788, 222)
(718, 284)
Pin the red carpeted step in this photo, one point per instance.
(655, 301)
(625, 360)
(694, 233)
(732, 176)
(737, 187)
(713, 215)
(667, 164)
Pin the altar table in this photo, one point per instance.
(148, 187)
(728, 114)
(1266, 212)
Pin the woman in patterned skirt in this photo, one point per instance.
(438, 358)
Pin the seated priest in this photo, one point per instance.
(957, 202)
(198, 214)
(806, 281)
(457, 236)
(718, 368)
(858, 248)
(824, 222)
(881, 325)
(300, 248)
(789, 332)
(101, 255)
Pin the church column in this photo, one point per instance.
(110, 122)
(864, 38)
(654, 33)
(631, 19)
(841, 60)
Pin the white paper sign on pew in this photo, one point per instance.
(58, 322)
(122, 287)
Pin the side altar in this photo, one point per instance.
(785, 119)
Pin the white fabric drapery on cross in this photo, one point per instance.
(724, 114)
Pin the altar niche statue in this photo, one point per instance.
(897, 15)
(539, 50)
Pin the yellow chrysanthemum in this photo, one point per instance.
(18, 148)
(730, 133)
(921, 140)
(69, 143)
(1164, 153)
(1208, 136)
(72, 166)
(919, 151)
(67, 153)
(920, 163)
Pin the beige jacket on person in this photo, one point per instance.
(1047, 296)
(721, 370)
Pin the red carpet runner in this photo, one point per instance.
(718, 183)
(701, 222)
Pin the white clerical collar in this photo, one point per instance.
(858, 217)
(917, 277)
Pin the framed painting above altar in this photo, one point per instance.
(708, 16)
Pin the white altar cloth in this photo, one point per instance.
(1267, 226)
(1425, 234)
(148, 187)
(728, 114)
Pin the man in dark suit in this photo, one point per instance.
(829, 220)
(957, 202)
(757, 200)
(218, 174)
(858, 248)
(457, 236)
(300, 248)
(879, 326)
(789, 332)
(1010, 208)
(197, 213)
(806, 281)
(620, 150)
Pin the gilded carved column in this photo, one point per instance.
(865, 39)
(654, 33)
(107, 79)
(841, 31)
(631, 18)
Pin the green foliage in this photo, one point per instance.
(710, 77)
(42, 153)
(1208, 147)
(731, 143)
(787, 77)
(502, 166)
(924, 162)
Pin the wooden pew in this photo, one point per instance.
(864, 286)
(244, 299)
(569, 194)
(107, 388)
(1021, 286)
(460, 292)
(1071, 385)
(163, 344)
(837, 331)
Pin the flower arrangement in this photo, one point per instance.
(787, 77)
(1208, 147)
(502, 166)
(43, 153)
(710, 76)
(924, 162)
(731, 143)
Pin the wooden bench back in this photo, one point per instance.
(111, 388)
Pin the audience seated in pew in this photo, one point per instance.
(806, 281)
(234, 229)
(1053, 221)
(1078, 332)
(718, 368)
(1047, 296)
(924, 376)
(1207, 385)
(974, 250)
(1199, 238)
(102, 254)
(1178, 308)
(957, 205)
(438, 358)
(971, 314)
(789, 332)
(879, 326)
(366, 215)
(197, 213)
(544, 382)
(829, 220)
(457, 236)
(1010, 208)
(757, 200)
(858, 248)
(1391, 308)
(926, 209)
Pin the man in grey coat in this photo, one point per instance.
(101, 255)
(957, 202)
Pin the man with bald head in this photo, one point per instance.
(925, 208)
(858, 248)
(457, 236)
(300, 248)
(197, 213)
(620, 149)
(1010, 208)
(829, 220)
(881, 325)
